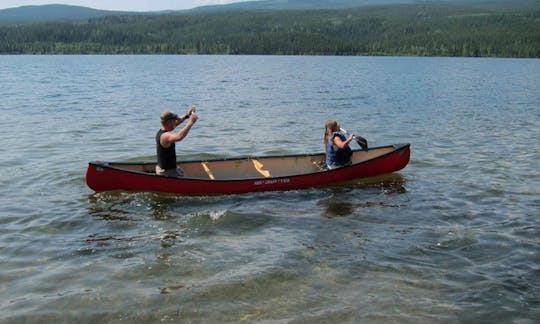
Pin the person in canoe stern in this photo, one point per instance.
(166, 139)
(338, 152)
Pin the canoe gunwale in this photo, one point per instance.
(293, 174)
(111, 165)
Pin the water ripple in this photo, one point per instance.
(451, 238)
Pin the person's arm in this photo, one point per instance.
(342, 144)
(175, 137)
(186, 116)
(168, 138)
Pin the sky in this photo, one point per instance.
(124, 5)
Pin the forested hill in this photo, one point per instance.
(341, 4)
(432, 29)
(51, 12)
(26, 14)
(306, 4)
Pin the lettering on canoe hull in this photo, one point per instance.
(271, 181)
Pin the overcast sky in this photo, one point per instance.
(125, 5)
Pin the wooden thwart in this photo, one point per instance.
(207, 170)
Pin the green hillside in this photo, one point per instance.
(428, 29)
(49, 13)
(341, 4)
(300, 4)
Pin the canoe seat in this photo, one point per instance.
(259, 167)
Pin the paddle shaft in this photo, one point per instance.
(359, 139)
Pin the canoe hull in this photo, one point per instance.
(106, 176)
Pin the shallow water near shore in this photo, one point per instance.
(453, 237)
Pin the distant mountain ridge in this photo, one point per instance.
(53, 12)
(342, 4)
(299, 4)
(50, 12)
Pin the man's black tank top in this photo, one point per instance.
(166, 157)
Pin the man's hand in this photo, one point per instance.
(193, 118)
(191, 110)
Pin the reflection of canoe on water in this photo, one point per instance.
(246, 174)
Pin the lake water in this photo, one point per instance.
(453, 237)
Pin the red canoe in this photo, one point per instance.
(246, 174)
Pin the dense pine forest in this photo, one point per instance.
(423, 30)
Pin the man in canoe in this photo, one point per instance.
(166, 139)
(338, 152)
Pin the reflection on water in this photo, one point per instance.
(335, 207)
(339, 202)
(117, 205)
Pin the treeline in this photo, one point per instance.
(422, 30)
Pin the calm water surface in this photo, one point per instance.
(454, 237)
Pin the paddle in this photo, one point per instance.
(359, 139)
